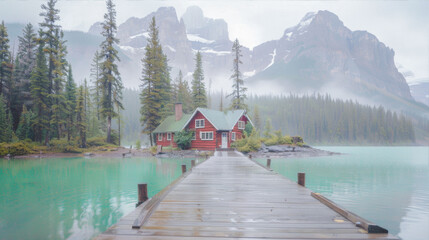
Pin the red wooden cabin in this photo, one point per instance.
(212, 129)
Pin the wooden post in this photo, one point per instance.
(142, 193)
(192, 163)
(301, 179)
(268, 163)
(183, 169)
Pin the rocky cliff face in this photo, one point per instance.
(321, 54)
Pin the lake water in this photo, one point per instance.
(386, 185)
(77, 198)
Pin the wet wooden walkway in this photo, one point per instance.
(231, 197)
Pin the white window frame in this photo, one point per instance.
(201, 123)
(160, 137)
(204, 136)
(233, 136)
(241, 125)
(194, 136)
(168, 136)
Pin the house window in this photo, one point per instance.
(199, 123)
(206, 136)
(241, 125)
(168, 136)
(159, 136)
(233, 136)
(194, 136)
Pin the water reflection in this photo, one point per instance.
(74, 198)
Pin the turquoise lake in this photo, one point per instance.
(77, 198)
(386, 185)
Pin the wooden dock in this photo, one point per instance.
(230, 196)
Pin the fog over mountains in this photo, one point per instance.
(318, 54)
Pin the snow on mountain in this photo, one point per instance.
(197, 38)
(145, 34)
(272, 60)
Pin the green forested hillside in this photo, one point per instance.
(324, 120)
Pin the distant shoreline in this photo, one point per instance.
(122, 152)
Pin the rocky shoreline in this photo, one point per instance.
(287, 151)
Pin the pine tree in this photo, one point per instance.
(5, 64)
(95, 79)
(24, 130)
(26, 61)
(57, 96)
(39, 93)
(5, 125)
(238, 90)
(199, 96)
(70, 96)
(81, 117)
(268, 128)
(221, 101)
(156, 89)
(256, 117)
(184, 94)
(49, 33)
(110, 80)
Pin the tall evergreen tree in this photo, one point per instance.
(221, 101)
(26, 61)
(257, 117)
(110, 80)
(24, 130)
(57, 96)
(95, 79)
(268, 128)
(5, 122)
(50, 35)
(238, 90)
(40, 94)
(184, 94)
(70, 96)
(199, 96)
(156, 90)
(5, 64)
(81, 117)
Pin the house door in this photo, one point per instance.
(224, 140)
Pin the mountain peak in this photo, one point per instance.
(211, 29)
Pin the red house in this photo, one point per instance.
(212, 129)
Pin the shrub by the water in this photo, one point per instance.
(183, 139)
(65, 146)
(250, 143)
(14, 149)
(96, 141)
(138, 145)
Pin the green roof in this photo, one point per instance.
(171, 125)
(220, 120)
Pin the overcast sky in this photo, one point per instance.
(401, 25)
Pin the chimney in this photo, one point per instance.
(178, 111)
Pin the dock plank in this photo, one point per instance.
(231, 197)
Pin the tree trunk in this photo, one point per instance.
(119, 131)
(150, 138)
(109, 129)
